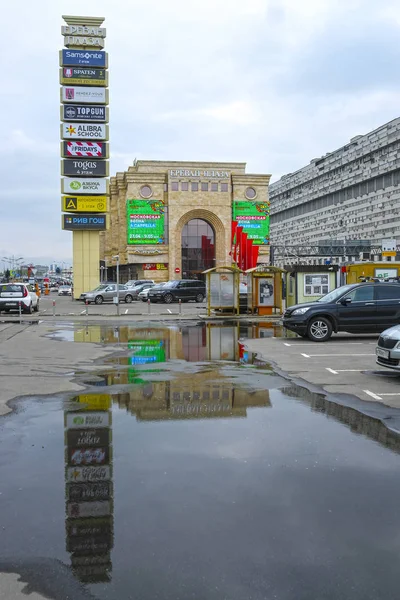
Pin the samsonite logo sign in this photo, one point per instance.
(90, 58)
(80, 186)
(84, 131)
(90, 95)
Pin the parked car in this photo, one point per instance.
(11, 294)
(65, 290)
(135, 291)
(358, 308)
(144, 294)
(135, 282)
(388, 348)
(173, 291)
(106, 293)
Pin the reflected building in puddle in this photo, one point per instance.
(89, 525)
(359, 423)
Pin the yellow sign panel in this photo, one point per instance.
(389, 253)
(94, 401)
(84, 204)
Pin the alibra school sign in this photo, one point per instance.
(85, 131)
(199, 173)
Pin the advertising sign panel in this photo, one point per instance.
(91, 559)
(89, 95)
(83, 76)
(88, 509)
(80, 112)
(265, 291)
(93, 401)
(155, 267)
(84, 222)
(79, 40)
(88, 437)
(84, 131)
(84, 204)
(88, 456)
(83, 30)
(85, 168)
(389, 247)
(84, 186)
(89, 527)
(88, 545)
(145, 221)
(84, 149)
(80, 492)
(254, 218)
(90, 58)
(83, 474)
(81, 420)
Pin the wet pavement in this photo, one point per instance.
(189, 469)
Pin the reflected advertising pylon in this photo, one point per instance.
(89, 524)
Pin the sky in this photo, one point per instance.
(273, 83)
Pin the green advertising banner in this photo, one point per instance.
(145, 221)
(254, 218)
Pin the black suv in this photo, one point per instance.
(183, 289)
(358, 308)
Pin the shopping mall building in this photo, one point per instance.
(172, 220)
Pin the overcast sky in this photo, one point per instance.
(273, 83)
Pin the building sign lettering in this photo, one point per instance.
(83, 30)
(199, 173)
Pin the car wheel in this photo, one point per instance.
(99, 300)
(128, 298)
(168, 298)
(29, 310)
(36, 309)
(319, 329)
(199, 298)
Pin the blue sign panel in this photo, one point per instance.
(91, 58)
(84, 222)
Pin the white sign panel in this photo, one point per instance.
(89, 509)
(85, 131)
(81, 420)
(83, 30)
(78, 40)
(85, 474)
(87, 95)
(79, 185)
(389, 245)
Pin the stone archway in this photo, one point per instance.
(218, 227)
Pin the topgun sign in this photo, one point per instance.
(83, 30)
(80, 112)
(80, 76)
(84, 131)
(87, 58)
(94, 95)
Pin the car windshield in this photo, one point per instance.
(335, 294)
(100, 287)
(169, 284)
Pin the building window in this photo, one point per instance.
(146, 191)
(224, 187)
(195, 186)
(174, 186)
(316, 284)
(204, 186)
(184, 186)
(250, 193)
(214, 187)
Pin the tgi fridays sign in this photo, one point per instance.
(84, 149)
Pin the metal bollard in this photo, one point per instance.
(87, 307)
(54, 308)
(20, 311)
(148, 305)
(180, 306)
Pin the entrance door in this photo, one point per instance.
(198, 248)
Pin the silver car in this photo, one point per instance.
(388, 348)
(106, 293)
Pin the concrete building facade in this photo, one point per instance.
(343, 203)
(194, 200)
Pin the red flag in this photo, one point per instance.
(243, 251)
(249, 254)
(233, 240)
(254, 257)
(238, 244)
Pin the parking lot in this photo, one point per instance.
(344, 365)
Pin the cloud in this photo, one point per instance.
(271, 82)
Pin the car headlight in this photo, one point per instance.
(398, 346)
(301, 311)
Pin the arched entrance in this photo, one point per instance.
(198, 248)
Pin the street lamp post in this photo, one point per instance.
(117, 259)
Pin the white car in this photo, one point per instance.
(14, 294)
(65, 290)
(144, 294)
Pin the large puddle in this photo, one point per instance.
(188, 469)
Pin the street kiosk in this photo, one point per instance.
(264, 285)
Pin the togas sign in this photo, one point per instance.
(84, 168)
(199, 173)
